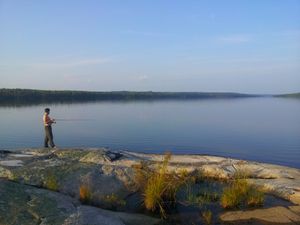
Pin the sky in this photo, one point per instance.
(151, 45)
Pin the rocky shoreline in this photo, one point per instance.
(40, 186)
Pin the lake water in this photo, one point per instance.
(260, 129)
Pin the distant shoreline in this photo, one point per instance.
(47, 96)
(32, 96)
(292, 95)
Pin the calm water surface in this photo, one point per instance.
(261, 129)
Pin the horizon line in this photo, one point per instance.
(228, 92)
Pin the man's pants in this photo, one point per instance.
(48, 137)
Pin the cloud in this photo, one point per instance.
(74, 63)
(235, 39)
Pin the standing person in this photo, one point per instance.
(48, 129)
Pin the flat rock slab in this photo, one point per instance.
(295, 209)
(274, 215)
(27, 205)
(13, 162)
(21, 155)
(280, 180)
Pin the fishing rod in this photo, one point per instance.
(60, 119)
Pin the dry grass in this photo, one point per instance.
(241, 193)
(207, 217)
(114, 201)
(142, 173)
(51, 182)
(255, 197)
(85, 194)
(154, 193)
(158, 185)
(234, 195)
(242, 173)
(199, 197)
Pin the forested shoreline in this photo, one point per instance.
(292, 95)
(31, 96)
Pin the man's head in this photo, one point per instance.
(47, 110)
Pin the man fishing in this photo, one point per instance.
(48, 129)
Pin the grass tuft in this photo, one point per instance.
(85, 194)
(207, 217)
(114, 201)
(241, 193)
(242, 174)
(255, 197)
(158, 185)
(51, 182)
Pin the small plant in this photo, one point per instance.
(200, 198)
(207, 197)
(240, 192)
(158, 185)
(159, 188)
(85, 194)
(230, 198)
(153, 193)
(255, 197)
(142, 173)
(242, 174)
(114, 201)
(51, 182)
(190, 196)
(207, 217)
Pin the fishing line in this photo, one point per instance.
(73, 119)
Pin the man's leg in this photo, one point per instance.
(46, 137)
(51, 137)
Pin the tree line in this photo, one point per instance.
(30, 96)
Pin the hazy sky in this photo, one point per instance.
(159, 45)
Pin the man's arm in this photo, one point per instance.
(51, 120)
(48, 121)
